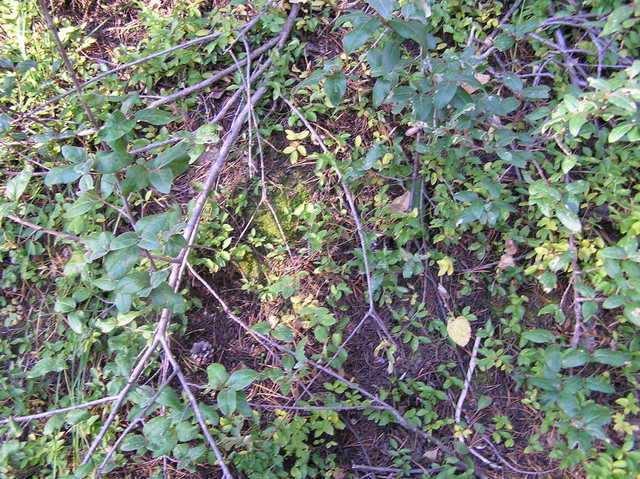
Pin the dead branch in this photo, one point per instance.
(55, 412)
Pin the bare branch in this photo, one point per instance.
(55, 412)
(467, 381)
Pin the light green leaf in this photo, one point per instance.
(611, 357)
(16, 186)
(155, 117)
(161, 179)
(539, 336)
(619, 131)
(61, 175)
(118, 263)
(217, 375)
(227, 401)
(241, 379)
(569, 219)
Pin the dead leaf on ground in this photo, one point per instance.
(507, 260)
(401, 203)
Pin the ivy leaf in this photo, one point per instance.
(227, 401)
(335, 86)
(241, 379)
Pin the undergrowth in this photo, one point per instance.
(382, 239)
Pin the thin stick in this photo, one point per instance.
(195, 41)
(195, 407)
(42, 229)
(577, 307)
(316, 408)
(467, 381)
(55, 412)
(67, 62)
(393, 470)
(138, 418)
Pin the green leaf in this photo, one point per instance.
(187, 432)
(155, 117)
(445, 91)
(536, 93)
(539, 336)
(116, 127)
(619, 131)
(164, 297)
(118, 263)
(573, 358)
(134, 442)
(383, 7)
(613, 302)
(484, 402)
(613, 252)
(111, 162)
(46, 366)
(217, 375)
(124, 240)
(61, 175)
(155, 428)
(137, 178)
(175, 153)
(335, 86)
(615, 19)
(611, 357)
(241, 379)
(360, 34)
(283, 333)
(632, 313)
(511, 81)
(133, 282)
(227, 401)
(161, 179)
(74, 154)
(17, 185)
(568, 218)
(168, 397)
(503, 42)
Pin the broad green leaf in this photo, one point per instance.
(82, 205)
(111, 162)
(443, 94)
(568, 218)
(134, 442)
(227, 401)
(511, 81)
(573, 358)
(155, 117)
(133, 282)
(17, 185)
(282, 333)
(74, 154)
(116, 127)
(124, 240)
(168, 397)
(536, 93)
(539, 336)
(217, 375)
(615, 19)
(632, 312)
(118, 263)
(47, 365)
(164, 297)
(619, 131)
(161, 179)
(175, 153)
(484, 402)
(360, 34)
(61, 175)
(383, 7)
(503, 42)
(241, 379)
(335, 86)
(155, 428)
(611, 357)
(137, 178)
(613, 302)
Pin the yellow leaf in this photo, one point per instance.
(446, 266)
(302, 150)
(291, 135)
(459, 330)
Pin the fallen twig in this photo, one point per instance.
(55, 412)
(467, 381)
